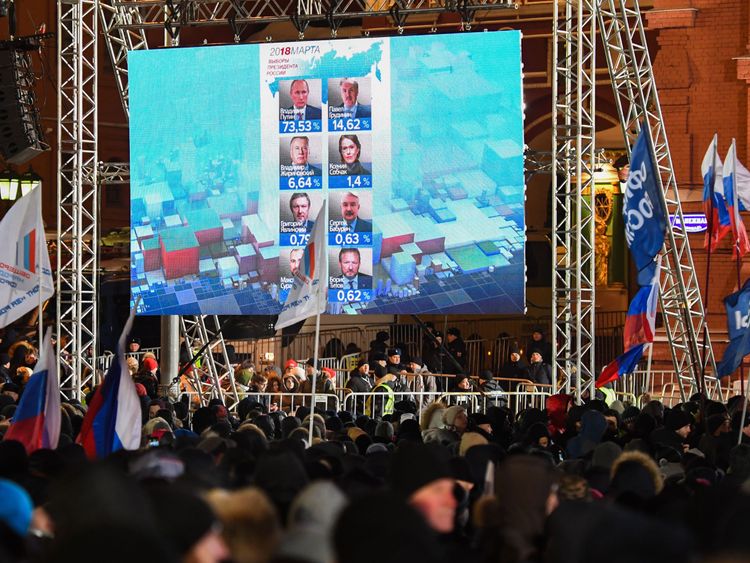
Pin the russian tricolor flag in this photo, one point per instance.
(309, 260)
(26, 251)
(717, 213)
(640, 327)
(736, 183)
(36, 422)
(113, 421)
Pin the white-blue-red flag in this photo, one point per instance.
(736, 183)
(640, 327)
(36, 422)
(714, 202)
(113, 420)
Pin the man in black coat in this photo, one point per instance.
(359, 378)
(539, 371)
(515, 368)
(360, 382)
(456, 346)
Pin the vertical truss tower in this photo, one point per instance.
(573, 127)
(77, 193)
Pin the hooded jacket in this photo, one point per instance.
(593, 427)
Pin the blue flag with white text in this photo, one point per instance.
(738, 326)
(645, 221)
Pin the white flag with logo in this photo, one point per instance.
(307, 297)
(24, 260)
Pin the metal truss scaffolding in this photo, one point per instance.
(573, 279)
(575, 23)
(77, 193)
(632, 77)
(119, 41)
(153, 14)
(201, 331)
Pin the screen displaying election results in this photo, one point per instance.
(408, 150)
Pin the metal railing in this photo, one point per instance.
(367, 403)
(488, 340)
(666, 386)
(104, 360)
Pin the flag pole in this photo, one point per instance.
(321, 287)
(711, 187)
(648, 373)
(315, 376)
(744, 413)
(744, 406)
(41, 240)
(736, 218)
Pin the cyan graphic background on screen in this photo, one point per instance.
(451, 241)
(194, 175)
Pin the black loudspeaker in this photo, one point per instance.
(21, 135)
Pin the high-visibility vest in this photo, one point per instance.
(388, 401)
(609, 395)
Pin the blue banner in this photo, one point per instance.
(737, 349)
(738, 305)
(645, 223)
(738, 321)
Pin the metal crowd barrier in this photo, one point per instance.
(290, 402)
(365, 403)
(666, 386)
(104, 361)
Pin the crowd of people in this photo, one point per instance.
(277, 481)
(591, 482)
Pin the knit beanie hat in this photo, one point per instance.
(676, 419)
(715, 421)
(384, 430)
(15, 507)
(630, 414)
(605, 455)
(415, 465)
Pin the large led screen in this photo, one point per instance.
(410, 147)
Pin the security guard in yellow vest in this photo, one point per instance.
(382, 400)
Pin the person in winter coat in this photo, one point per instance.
(593, 427)
(421, 382)
(291, 384)
(359, 382)
(456, 346)
(538, 343)
(515, 368)
(539, 371)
